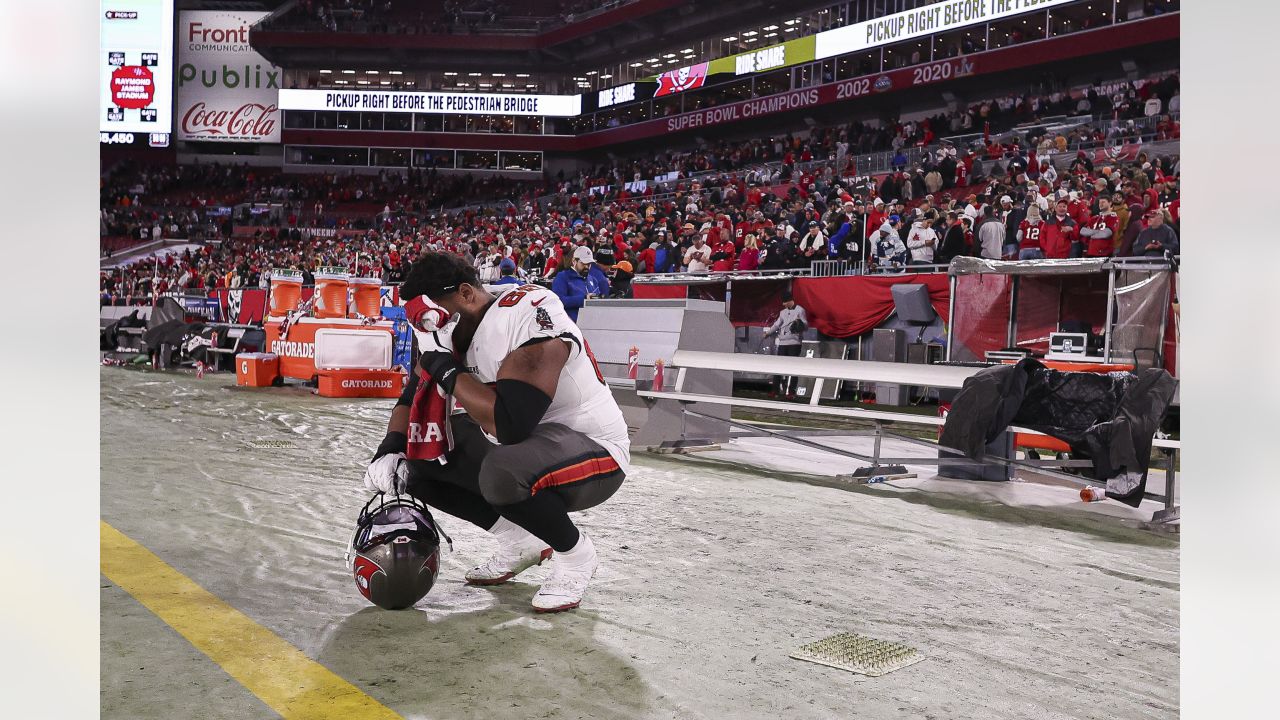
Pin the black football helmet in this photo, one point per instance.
(394, 554)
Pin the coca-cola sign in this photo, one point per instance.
(226, 91)
(250, 121)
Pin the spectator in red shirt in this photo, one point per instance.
(1100, 235)
(1030, 231)
(1061, 234)
(750, 257)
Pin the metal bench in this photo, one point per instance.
(821, 369)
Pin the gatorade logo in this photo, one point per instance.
(367, 384)
(289, 348)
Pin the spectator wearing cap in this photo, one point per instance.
(813, 244)
(507, 270)
(890, 250)
(1011, 216)
(621, 285)
(697, 259)
(570, 283)
(598, 272)
(1061, 238)
(1157, 238)
(789, 326)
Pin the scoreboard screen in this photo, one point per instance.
(136, 70)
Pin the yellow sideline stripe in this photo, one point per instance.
(284, 678)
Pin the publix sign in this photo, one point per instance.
(227, 92)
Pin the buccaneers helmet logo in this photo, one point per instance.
(364, 570)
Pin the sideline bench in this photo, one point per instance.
(821, 369)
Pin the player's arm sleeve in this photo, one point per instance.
(410, 389)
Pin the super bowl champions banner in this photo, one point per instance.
(226, 91)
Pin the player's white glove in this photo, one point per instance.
(387, 474)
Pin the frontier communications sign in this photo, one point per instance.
(227, 92)
(432, 102)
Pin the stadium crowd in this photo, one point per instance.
(770, 204)
(952, 205)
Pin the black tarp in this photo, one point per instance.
(1109, 419)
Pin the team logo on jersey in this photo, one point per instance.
(543, 318)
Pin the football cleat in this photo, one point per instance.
(571, 573)
(507, 563)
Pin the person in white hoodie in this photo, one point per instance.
(922, 241)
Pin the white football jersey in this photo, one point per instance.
(582, 401)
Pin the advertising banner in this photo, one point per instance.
(135, 67)
(432, 102)
(227, 92)
(925, 20)
(792, 52)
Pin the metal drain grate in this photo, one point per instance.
(860, 654)
(272, 444)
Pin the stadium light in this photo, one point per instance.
(636, 64)
(384, 82)
(396, 72)
(772, 34)
(348, 72)
(750, 33)
(731, 38)
(362, 82)
(791, 29)
(771, 27)
(687, 50)
(592, 72)
(499, 74)
(474, 74)
(370, 72)
(673, 60)
(450, 74)
(605, 77)
(339, 82)
(326, 72)
(522, 75)
(750, 40)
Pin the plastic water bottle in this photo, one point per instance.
(1093, 494)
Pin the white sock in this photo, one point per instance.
(509, 533)
(581, 553)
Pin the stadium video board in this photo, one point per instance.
(691, 77)
(925, 20)
(432, 102)
(136, 71)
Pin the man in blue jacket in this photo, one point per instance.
(597, 276)
(570, 284)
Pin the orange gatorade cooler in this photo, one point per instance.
(366, 297)
(257, 369)
(286, 292)
(331, 293)
(361, 383)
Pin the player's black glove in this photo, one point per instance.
(443, 368)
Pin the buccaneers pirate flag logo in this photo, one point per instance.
(685, 78)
